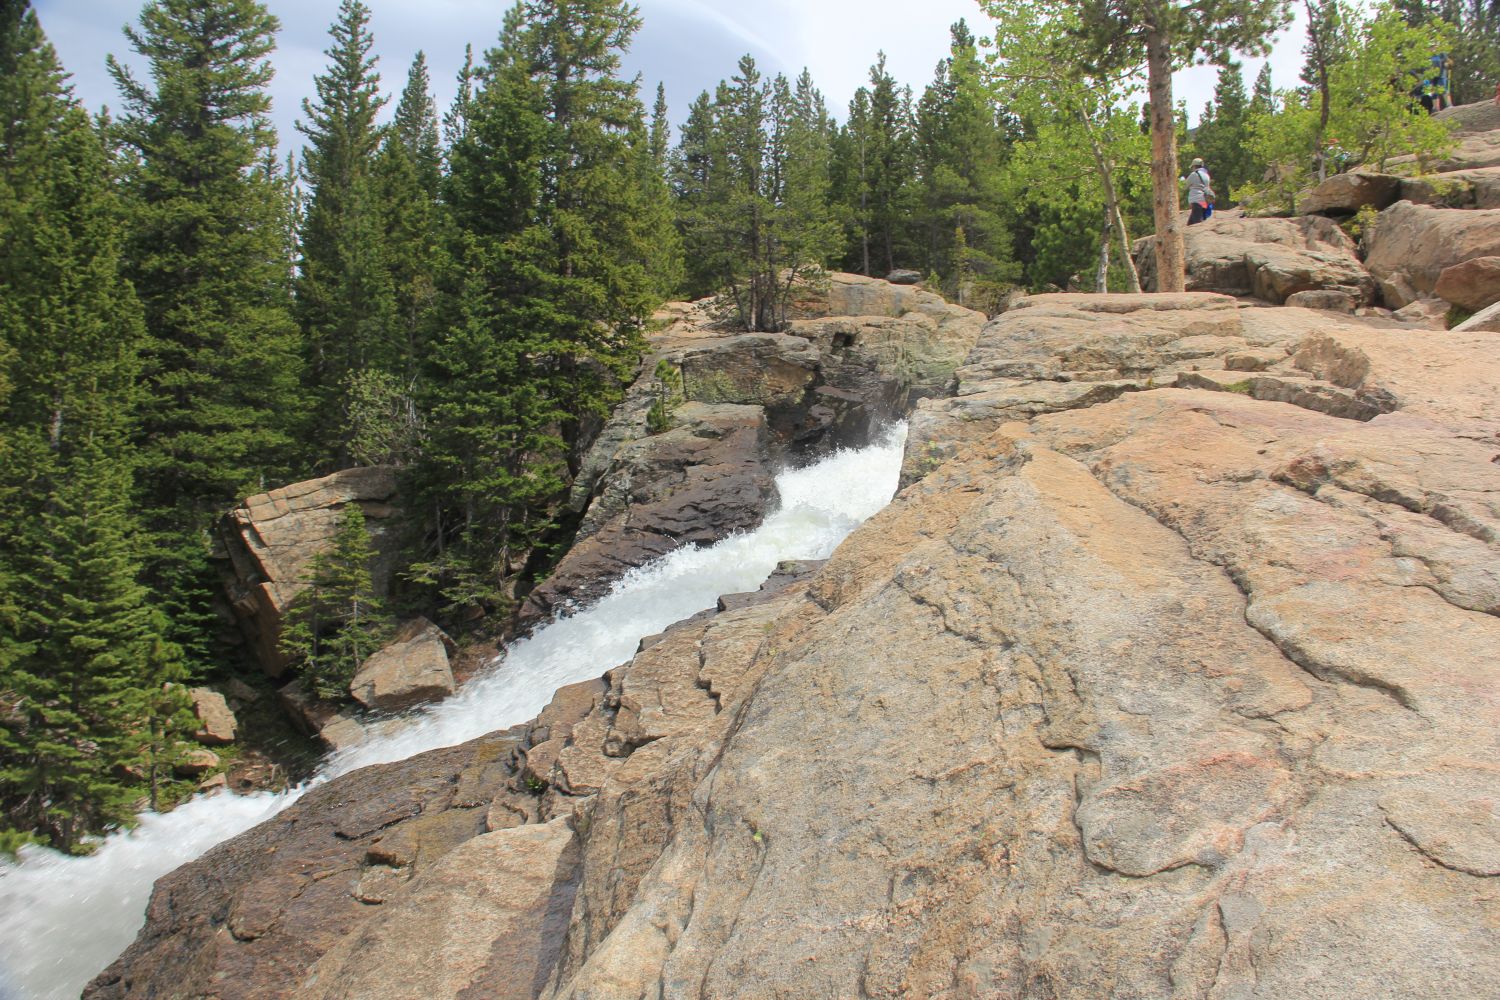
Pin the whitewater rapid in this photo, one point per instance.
(63, 919)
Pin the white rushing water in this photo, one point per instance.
(64, 919)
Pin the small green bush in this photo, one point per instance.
(671, 390)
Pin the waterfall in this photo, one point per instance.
(63, 919)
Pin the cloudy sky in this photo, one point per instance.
(687, 44)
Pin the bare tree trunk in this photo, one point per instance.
(1170, 275)
(1112, 202)
(1317, 34)
(864, 207)
(1101, 276)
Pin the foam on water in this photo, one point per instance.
(64, 919)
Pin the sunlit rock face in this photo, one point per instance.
(271, 539)
(1183, 683)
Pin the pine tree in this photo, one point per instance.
(1223, 137)
(1263, 96)
(961, 150)
(493, 460)
(345, 297)
(878, 171)
(658, 242)
(556, 255)
(380, 413)
(807, 225)
(84, 689)
(456, 119)
(338, 621)
(743, 196)
(79, 685)
(689, 172)
(207, 253)
(661, 130)
(416, 126)
(599, 292)
(852, 168)
(752, 178)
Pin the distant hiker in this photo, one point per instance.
(1440, 80)
(1432, 91)
(1200, 193)
(1497, 95)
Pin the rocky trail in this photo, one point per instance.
(1170, 672)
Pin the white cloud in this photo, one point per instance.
(726, 17)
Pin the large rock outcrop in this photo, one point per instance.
(1479, 188)
(253, 916)
(702, 480)
(1476, 141)
(1066, 352)
(858, 353)
(1345, 194)
(1186, 691)
(472, 853)
(1412, 245)
(272, 538)
(1270, 259)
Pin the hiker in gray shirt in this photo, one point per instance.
(1200, 193)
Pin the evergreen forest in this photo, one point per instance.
(194, 309)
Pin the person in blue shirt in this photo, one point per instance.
(1435, 89)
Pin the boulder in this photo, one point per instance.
(196, 763)
(710, 475)
(1430, 314)
(1476, 142)
(251, 918)
(856, 295)
(757, 369)
(904, 277)
(271, 539)
(1459, 189)
(1410, 246)
(314, 717)
(892, 360)
(495, 908)
(411, 670)
(1270, 259)
(1345, 194)
(1472, 284)
(216, 723)
(213, 783)
(1326, 299)
(1485, 321)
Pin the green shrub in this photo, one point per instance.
(670, 393)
